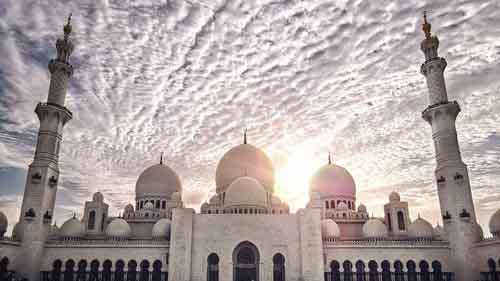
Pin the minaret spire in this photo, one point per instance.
(161, 158)
(245, 136)
(452, 179)
(43, 173)
(329, 158)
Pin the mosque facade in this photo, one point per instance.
(245, 232)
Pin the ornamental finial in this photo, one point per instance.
(245, 136)
(161, 158)
(67, 28)
(426, 27)
(329, 158)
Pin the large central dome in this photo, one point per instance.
(333, 180)
(158, 180)
(244, 160)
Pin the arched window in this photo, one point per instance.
(398, 271)
(106, 270)
(373, 271)
(119, 270)
(327, 205)
(389, 222)
(56, 270)
(69, 270)
(144, 274)
(157, 204)
(278, 267)
(386, 270)
(246, 262)
(102, 221)
(82, 270)
(4, 264)
(437, 272)
(156, 275)
(91, 223)
(349, 205)
(213, 267)
(132, 270)
(142, 204)
(412, 272)
(347, 265)
(401, 221)
(332, 204)
(94, 270)
(360, 271)
(335, 270)
(424, 271)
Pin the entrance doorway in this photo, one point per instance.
(246, 262)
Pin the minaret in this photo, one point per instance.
(452, 179)
(43, 173)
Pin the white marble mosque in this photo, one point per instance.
(245, 232)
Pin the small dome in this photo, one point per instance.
(17, 232)
(149, 205)
(362, 208)
(4, 223)
(242, 161)
(118, 228)
(439, 232)
(97, 197)
(394, 197)
(495, 223)
(161, 229)
(129, 208)
(342, 206)
(329, 229)
(246, 191)
(420, 228)
(374, 228)
(333, 180)
(72, 228)
(214, 199)
(159, 180)
(176, 196)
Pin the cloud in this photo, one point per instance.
(185, 77)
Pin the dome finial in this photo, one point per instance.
(245, 136)
(67, 28)
(74, 215)
(329, 158)
(161, 158)
(426, 27)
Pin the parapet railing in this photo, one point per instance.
(103, 276)
(386, 242)
(110, 242)
(389, 276)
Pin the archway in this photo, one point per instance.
(213, 267)
(246, 262)
(278, 267)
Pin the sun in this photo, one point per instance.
(292, 179)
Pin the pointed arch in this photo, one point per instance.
(246, 260)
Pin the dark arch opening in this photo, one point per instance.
(213, 267)
(386, 270)
(94, 270)
(347, 266)
(106, 270)
(398, 271)
(4, 264)
(246, 262)
(91, 223)
(373, 271)
(144, 274)
(132, 270)
(360, 270)
(81, 271)
(69, 270)
(437, 271)
(335, 270)
(119, 270)
(156, 276)
(424, 271)
(412, 273)
(401, 221)
(278, 267)
(56, 270)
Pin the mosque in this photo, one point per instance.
(245, 232)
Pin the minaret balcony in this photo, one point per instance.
(42, 109)
(435, 110)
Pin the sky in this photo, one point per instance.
(304, 77)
